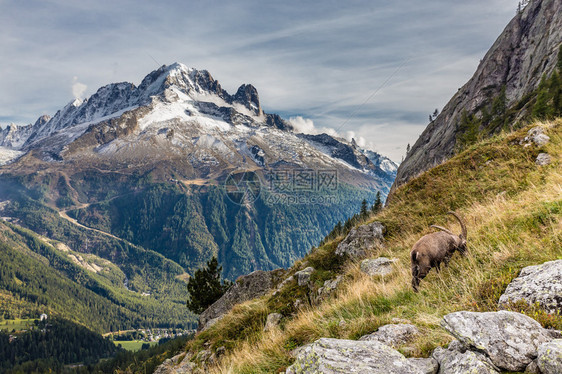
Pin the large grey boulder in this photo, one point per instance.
(331, 356)
(393, 335)
(361, 240)
(550, 357)
(537, 284)
(381, 266)
(511, 340)
(246, 287)
(455, 362)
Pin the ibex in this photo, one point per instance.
(434, 248)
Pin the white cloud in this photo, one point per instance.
(78, 88)
(306, 126)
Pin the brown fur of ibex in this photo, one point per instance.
(434, 248)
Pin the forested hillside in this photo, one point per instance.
(50, 345)
(135, 288)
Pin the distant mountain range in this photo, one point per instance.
(181, 113)
(177, 166)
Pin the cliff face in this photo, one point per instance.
(526, 49)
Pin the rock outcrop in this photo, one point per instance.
(361, 240)
(245, 288)
(272, 321)
(510, 340)
(526, 49)
(331, 356)
(537, 284)
(303, 276)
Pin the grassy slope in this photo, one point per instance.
(513, 210)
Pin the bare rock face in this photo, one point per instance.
(550, 357)
(393, 335)
(455, 362)
(510, 340)
(245, 288)
(332, 356)
(537, 284)
(362, 239)
(526, 49)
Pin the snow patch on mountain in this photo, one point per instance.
(8, 155)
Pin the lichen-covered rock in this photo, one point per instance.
(331, 356)
(425, 365)
(393, 335)
(455, 362)
(533, 368)
(543, 159)
(381, 266)
(361, 240)
(273, 320)
(509, 339)
(537, 284)
(245, 288)
(550, 357)
(303, 276)
(456, 345)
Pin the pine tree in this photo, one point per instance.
(205, 287)
(541, 108)
(555, 92)
(377, 206)
(364, 211)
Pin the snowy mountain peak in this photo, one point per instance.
(183, 111)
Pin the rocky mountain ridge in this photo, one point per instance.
(183, 111)
(525, 51)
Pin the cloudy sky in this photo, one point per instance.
(369, 69)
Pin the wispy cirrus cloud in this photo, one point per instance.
(316, 60)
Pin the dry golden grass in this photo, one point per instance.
(513, 211)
